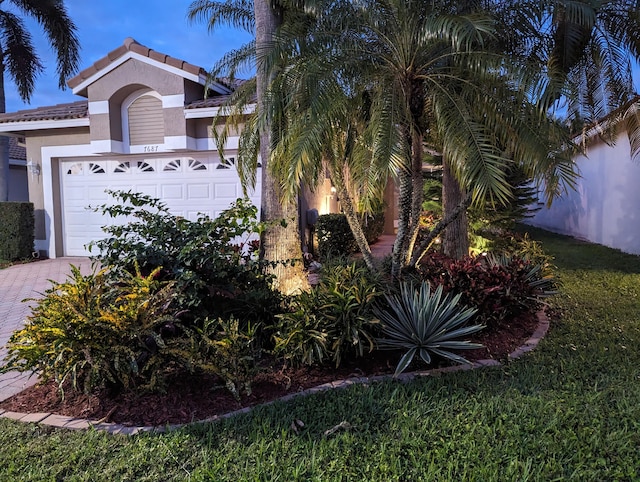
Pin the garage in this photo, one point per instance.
(188, 185)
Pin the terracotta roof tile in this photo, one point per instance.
(130, 45)
(158, 56)
(73, 110)
(16, 151)
(215, 101)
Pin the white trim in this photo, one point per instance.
(148, 149)
(107, 146)
(43, 124)
(99, 107)
(48, 153)
(175, 142)
(169, 101)
(198, 78)
(208, 144)
(205, 112)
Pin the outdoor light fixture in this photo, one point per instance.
(33, 167)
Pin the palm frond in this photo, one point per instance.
(235, 13)
(59, 30)
(19, 54)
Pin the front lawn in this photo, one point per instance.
(569, 410)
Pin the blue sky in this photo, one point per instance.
(103, 26)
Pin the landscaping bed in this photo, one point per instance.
(190, 397)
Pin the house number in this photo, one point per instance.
(151, 148)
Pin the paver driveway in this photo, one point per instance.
(17, 283)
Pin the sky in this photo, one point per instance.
(103, 26)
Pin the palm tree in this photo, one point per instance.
(19, 59)
(429, 77)
(330, 139)
(281, 240)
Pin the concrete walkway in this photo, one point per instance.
(17, 283)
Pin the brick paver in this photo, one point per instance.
(20, 282)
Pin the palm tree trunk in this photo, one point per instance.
(456, 235)
(281, 240)
(404, 219)
(435, 232)
(417, 195)
(4, 143)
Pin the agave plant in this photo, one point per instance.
(425, 323)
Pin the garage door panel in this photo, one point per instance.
(226, 190)
(76, 193)
(188, 187)
(172, 192)
(199, 191)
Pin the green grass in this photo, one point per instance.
(568, 411)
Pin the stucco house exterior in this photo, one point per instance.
(605, 207)
(143, 123)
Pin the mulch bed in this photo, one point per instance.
(189, 397)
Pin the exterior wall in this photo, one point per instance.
(38, 184)
(18, 183)
(605, 207)
(107, 93)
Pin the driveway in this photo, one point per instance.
(22, 281)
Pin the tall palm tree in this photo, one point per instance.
(281, 240)
(19, 59)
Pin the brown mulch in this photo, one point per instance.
(190, 397)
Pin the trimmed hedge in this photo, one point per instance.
(335, 237)
(16, 230)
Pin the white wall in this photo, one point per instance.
(605, 208)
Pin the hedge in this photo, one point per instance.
(335, 237)
(16, 230)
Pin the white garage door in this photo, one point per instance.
(188, 185)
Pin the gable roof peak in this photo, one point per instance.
(128, 41)
(130, 48)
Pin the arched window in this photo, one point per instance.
(142, 118)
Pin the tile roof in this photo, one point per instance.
(130, 45)
(15, 151)
(214, 101)
(72, 110)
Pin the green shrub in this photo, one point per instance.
(213, 262)
(94, 333)
(373, 226)
(335, 237)
(300, 332)
(423, 323)
(17, 230)
(334, 320)
(223, 348)
(500, 288)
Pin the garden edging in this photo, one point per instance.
(60, 421)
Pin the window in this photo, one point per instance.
(143, 119)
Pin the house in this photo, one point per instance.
(605, 207)
(18, 180)
(144, 124)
